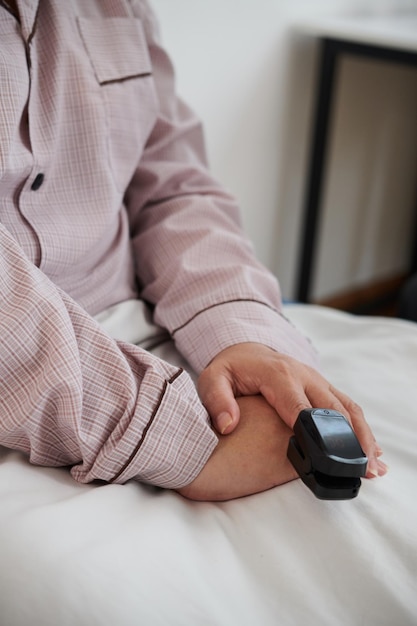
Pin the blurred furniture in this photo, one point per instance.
(392, 38)
(407, 306)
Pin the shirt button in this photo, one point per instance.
(37, 183)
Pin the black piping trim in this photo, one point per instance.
(149, 424)
(124, 78)
(10, 10)
(212, 306)
(35, 23)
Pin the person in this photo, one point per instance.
(106, 200)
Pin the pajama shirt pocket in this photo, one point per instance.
(120, 60)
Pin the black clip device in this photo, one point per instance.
(327, 455)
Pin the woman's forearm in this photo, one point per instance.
(251, 459)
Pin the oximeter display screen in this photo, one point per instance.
(336, 434)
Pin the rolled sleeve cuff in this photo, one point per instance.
(172, 449)
(230, 323)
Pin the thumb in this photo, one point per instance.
(217, 395)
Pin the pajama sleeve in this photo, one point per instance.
(193, 261)
(72, 396)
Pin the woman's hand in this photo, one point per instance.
(288, 385)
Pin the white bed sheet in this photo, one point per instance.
(124, 555)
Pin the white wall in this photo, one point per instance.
(250, 77)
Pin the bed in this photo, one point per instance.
(86, 555)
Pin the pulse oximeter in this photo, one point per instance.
(327, 455)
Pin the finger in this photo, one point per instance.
(283, 388)
(364, 434)
(379, 451)
(382, 468)
(216, 393)
(323, 396)
(288, 402)
(291, 391)
(332, 398)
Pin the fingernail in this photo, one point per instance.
(373, 468)
(379, 451)
(384, 467)
(223, 422)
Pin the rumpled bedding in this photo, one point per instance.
(128, 555)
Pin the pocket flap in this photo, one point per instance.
(116, 47)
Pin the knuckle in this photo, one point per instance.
(353, 408)
(297, 406)
(284, 368)
(205, 379)
(210, 397)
